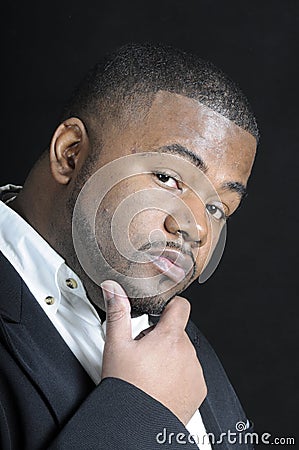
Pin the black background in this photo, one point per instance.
(248, 309)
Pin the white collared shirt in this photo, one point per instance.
(62, 296)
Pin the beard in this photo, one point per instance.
(95, 259)
(147, 292)
(152, 305)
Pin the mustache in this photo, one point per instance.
(159, 245)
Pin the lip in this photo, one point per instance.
(172, 263)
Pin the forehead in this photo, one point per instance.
(176, 119)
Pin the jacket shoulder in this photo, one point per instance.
(10, 291)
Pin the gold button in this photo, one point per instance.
(71, 283)
(50, 300)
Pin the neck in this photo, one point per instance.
(39, 201)
(42, 204)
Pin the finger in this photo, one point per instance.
(118, 308)
(144, 332)
(175, 315)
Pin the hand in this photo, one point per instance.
(163, 363)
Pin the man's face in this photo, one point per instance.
(159, 215)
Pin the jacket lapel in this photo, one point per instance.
(39, 349)
(64, 384)
(221, 409)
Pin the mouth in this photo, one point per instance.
(171, 263)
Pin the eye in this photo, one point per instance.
(167, 180)
(216, 212)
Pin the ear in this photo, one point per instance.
(69, 147)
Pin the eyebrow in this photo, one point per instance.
(197, 161)
(237, 187)
(180, 150)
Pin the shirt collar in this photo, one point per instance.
(39, 264)
(32, 257)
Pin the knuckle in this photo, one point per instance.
(115, 316)
(193, 351)
(204, 390)
(183, 304)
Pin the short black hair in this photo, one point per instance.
(145, 69)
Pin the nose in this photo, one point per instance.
(188, 221)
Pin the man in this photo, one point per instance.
(121, 214)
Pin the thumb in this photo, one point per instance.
(118, 308)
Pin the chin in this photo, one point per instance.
(147, 305)
(150, 294)
(152, 305)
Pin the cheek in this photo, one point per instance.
(124, 226)
(201, 259)
(147, 226)
(203, 254)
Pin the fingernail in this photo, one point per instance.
(118, 290)
(108, 291)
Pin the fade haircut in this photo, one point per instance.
(138, 71)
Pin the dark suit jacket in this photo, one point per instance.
(47, 400)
